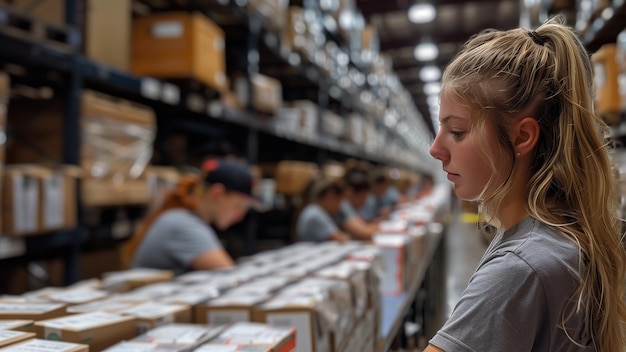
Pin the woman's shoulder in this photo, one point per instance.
(177, 215)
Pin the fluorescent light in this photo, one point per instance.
(430, 73)
(432, 88)
(426, 51)
(422, 13)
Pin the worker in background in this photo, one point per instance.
(315, 223)
(358, 190)
(179, 236)
(382, 199)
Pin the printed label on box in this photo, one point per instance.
(38, 345)
(12, 324)
(151, 310)
(83, 321)
(224, 317)
(300, 321)
(53, 210)
(187, 335)
(8, 334)
(28, 308)
(168, 29)
(79, 296)
(25, 199)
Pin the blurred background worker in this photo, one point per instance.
(383, 197)
(179, 235)
(315, 222)
(358, 189)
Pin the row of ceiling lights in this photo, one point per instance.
(420, 13)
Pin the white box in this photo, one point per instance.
(38, 345)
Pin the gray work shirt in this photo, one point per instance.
(516, 299)
(314, 224)
(374, 205)
(346, 212)
(174, 241)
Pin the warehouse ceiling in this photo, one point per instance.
(455, 22)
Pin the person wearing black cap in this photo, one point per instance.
(178, 236)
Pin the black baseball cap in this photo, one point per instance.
(234, 176)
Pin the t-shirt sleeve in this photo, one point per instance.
(316, 225)
(503, 309)
(346, 212)
(189, 239)
(369, 210)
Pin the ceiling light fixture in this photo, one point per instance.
(422, 13)
(426, 51)
(430, 73)
(432, 88)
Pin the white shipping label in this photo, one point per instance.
(84, 321)
(187, 335)
(25, 199)
(150, 310)
(12, 324)
(302, 323)
(224, 317)
(38, 345)
(53, 207)
(8, 334)
(28, 308)
(168, 29)
(79, 296)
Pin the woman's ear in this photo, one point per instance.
(525, 136)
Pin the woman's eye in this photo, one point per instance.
(457, 134)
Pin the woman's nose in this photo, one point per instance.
(437, 150)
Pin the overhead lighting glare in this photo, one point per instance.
(432, 88)
(426, 52)
(422, 13)
(430, 73)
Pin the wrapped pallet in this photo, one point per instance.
(607, 100)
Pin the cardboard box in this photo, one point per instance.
(31, 311)
(276, 339)
(128, 346)
(228, 309)
(108, 32)
(308, 117)
(333, 124)
(8, 337)
(18, 325)
(180, 45)
(151, 315)
(396, 252)
(21, 201)
(230, 348)
(98, 330)
(267, 93)
(292, 177)
(50, 11)
(304, 312)
(38, 345)
(264, 286)
(126, 280)
(186, 337)
(107, 305)
(274, 11)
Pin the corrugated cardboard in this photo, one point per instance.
(267, 93)
(18, 325)
(276, 339)
(51, 11)
(108, 32)
(78, 296)
(99, 329)
(179, 45)
(128, 346)
(38, 345)
(228, 309)
(607, 99)
(397, 253)
(152, 315)
(292, 177)
(8, 337)
(31, 311)
(108, 305)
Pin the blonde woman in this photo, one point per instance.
(518, 134)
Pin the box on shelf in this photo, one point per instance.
(78, 296)
(274, 11)
(298, 36)
(292, 177)
(210, 347)
(184, 336)
(18, 325)
(267, 93)
(356, 129)
(98, 330)
(274, 338)
(130, 346)
(30, 311)
(308, 117)
(397, 253)
(9, 337)
(151, 315)
(39, 199)
(107, 305)
(333, 124)
(180, 45)
(607, 99)
(51, 11)
(38, 345)
(108, 32)
(370, 43)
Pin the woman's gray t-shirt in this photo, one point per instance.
(174, 241)
(314, 224)
(516, 299)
